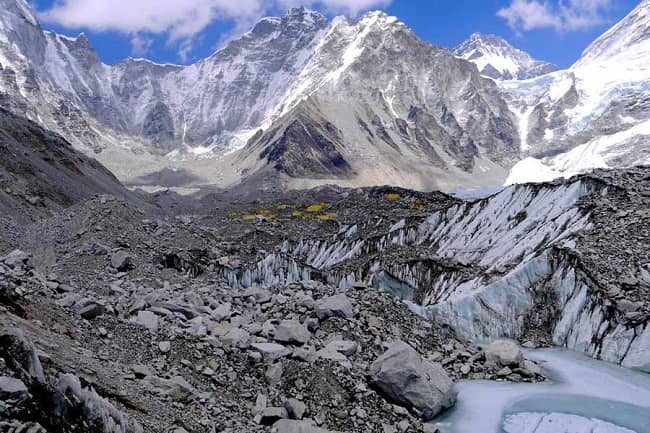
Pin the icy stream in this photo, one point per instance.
(582, 396)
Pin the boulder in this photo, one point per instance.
(261, 296)
(165, 346)
(15, 259)
(347, 348)
(291, 331)
(533, 368)
(236, 337)
(334, 306)
(174, 307)
(11, 388)
(95, 249)
(271, 351)
(295, 408)
(121, 260)
(274, 374)
(404, 377)
(141, 371)
(176, 388)
(503, 353)
(272, 414)
(148, 319)
(88, 308)
(222, 312)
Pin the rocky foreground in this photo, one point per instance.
(114, 320)
(299, 358)
(295, 312)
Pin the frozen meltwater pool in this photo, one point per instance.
(583, 395)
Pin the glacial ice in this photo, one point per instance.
(524, 233)
(535, 422)
(583, 396)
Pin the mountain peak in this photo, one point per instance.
(378, 17)
(496, 58)
(304, 15)
(294, 18)
(630, 37)
(19, 8)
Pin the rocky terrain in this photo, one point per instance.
(332, 309)
(300, 299)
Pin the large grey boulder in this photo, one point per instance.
(406, 378)
(176, 388)
(236, 337)
(147, 319)
(334, 306)
(15, 259)
(11, 388)
(121, 260)
(503, 353)
(271, 351)
(291, 331)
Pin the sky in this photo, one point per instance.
(183, 31)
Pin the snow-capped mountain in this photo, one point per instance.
(378, 100)
(308, 101)
(595, 114)
(497, 59)
(200, 105)
(427, 120)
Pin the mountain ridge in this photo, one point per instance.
(391, 109)
(497, 58)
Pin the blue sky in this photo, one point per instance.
(182, 31)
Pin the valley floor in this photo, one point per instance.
(284, 312)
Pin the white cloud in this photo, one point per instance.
(562, 15)
(140, 45)
(180, 20)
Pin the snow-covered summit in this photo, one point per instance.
(629, 39)
(339, 100)
(497, 59)
(593, 115)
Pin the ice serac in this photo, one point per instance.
(592, 115)
(532, 262)
(496, 58)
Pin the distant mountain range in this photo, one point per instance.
(496, 58)
(303, 100)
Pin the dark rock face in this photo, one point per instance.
(159, 126)
(40, 171)
(306, 149)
